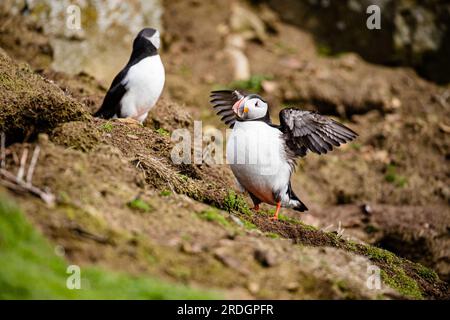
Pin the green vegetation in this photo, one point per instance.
(163, 132)
(213, 215)
(427, 273)
(234, 202)
(392, 272)
(31, 270)
(140, 205)
(248, 225)
(253, 84)
(272, 235)
(392, 176)
(107, 127)
(402, 283)
(165, 193)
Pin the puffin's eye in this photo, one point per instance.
(256, 104)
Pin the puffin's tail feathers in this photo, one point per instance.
(296, 203)
(299, 205)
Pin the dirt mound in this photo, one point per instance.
(30, 103)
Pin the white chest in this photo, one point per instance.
(256, 156)
(144, 83)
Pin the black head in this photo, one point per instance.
(147, 41)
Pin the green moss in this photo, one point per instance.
(391, 176)
(162, 132)
(214, 215)
(382, 255)
(427, 273)
(140, 205)
(234, 202)
(402, 283)
(31, 270)
(165, 193)
(272, 235)
(248, 225)
(107, 127)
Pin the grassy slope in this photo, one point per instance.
(27, 258)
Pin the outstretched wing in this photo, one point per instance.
(111, 103)
(305, 130)
(223, 102)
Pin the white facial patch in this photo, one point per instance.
(256, 108)
(155, 40)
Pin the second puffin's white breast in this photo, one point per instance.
(144, 83)
(255, 152)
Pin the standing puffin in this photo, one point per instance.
(135, 90)
(262, 155)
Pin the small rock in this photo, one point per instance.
(396, 103)
(191, 248)
(292, 286)
(237, 220)
(253, 287)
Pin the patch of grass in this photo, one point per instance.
(248, 225)
(31, 270)
(272, 235)
(400, 281)
(165, 193)
(234, 202)
(253, 84)
(107, 127)
(214, 215)
(162, 132)
(140, 205)
(427, 273)
(183, 177)
(382, 255)
(391, 176)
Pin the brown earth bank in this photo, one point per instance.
(120, 198)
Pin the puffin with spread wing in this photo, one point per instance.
(262, 155)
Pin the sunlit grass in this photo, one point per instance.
(30, 269)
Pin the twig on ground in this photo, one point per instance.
(23, 162)
(19, 185)
(16, 182)
(32, 166)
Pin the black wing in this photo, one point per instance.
(111, 103)
(305, 130)
(223, 101)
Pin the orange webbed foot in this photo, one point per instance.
(275, 216)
